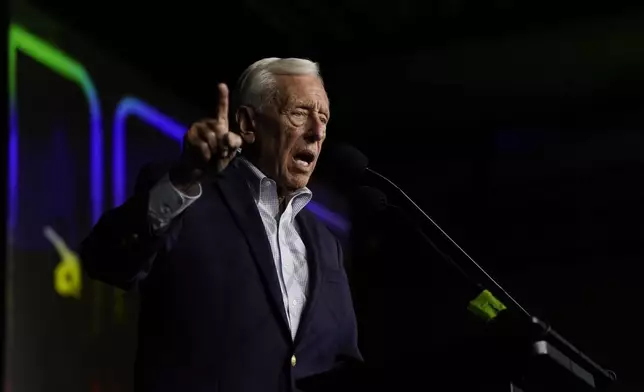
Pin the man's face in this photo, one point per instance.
(291, 130)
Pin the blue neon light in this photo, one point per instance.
(131, 106)
(59, 62)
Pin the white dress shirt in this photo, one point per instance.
(289, 252)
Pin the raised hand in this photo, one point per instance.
(207, 145)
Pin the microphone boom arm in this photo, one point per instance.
(449, 238)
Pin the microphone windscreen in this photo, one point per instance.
(344, 162)
(366, 199)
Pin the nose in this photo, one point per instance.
(316, 130)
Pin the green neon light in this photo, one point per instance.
(22, 40)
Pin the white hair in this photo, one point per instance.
(257, 85)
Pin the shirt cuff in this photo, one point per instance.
(167, 202)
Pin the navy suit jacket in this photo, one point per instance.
(212, 316)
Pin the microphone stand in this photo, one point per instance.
(551, 357)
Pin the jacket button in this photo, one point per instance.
(293, 361)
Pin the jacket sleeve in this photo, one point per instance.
(122, 246)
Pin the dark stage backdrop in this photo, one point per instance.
(81, 126)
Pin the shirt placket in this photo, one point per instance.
(268, 197)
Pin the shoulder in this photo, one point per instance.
(317, 227)
(333, 223)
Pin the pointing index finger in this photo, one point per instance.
(222, 109)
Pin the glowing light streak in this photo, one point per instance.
(20, 40)
(130, 106)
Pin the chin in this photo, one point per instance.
(297, 182)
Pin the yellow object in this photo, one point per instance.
(486, 306)
(68, 274)
(293, 361)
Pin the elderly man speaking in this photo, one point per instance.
(242, 289)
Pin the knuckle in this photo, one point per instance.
(211, 139)
(204, 150)
(207, 135)
(190, 138)
(221, 127)
(196, 130)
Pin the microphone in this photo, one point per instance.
(342, 165)
(349, 164)
(367, 200)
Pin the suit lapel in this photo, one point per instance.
(309, 234)
(237, 195)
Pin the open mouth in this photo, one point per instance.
(304, 158)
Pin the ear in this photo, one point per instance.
(245, 117)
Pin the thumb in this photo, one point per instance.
(231, 143)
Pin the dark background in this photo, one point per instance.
(517, 125)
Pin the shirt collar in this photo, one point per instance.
(258, 182)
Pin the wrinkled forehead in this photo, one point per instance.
(302, 90)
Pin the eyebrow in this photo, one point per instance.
(309, 105)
